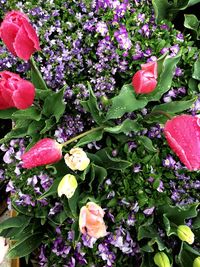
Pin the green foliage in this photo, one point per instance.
(127, 126)
(191, 22)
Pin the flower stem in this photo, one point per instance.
(81, 135)
(159, 112)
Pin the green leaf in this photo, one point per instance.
(127, 126)
(7, 113)
(175, 106)
(43, 94)
(28, 114)
(161, 8)
(187, 255)
(125, 102)
(73, 202)
(15, 222)
(36, 76)
(112, 163)
(54, 105)
(191, 22)
(147, 143)
(14, 133)
(95, 136)
(91, 106)
(99, 173)
(24, 248)
(52, 190)
(196, 72)
(49, 123)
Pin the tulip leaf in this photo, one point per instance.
(28, 114)
(73, 202)
(54, 105)
(196, 72)
(7, 113)
(161, 8)
(36, 76)
(191, 22)
(25, 247)
(15, 222)
(112, 163)
(49, 123)
(91, 106)
(187, 255)
(43, 94)
(95, 136)
(125, 102)
(127, 126)
(99, 173)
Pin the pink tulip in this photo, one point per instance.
(19, 35)
(144, 81)
(91, 220)
(15, 91)
(46, 151)
(183, 136)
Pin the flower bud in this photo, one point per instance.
(91, 220)
(67, 186)
(196, 262)
(185, 234)
(161, 260)
(46, 151)
(77, 159)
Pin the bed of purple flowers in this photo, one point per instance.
(100, 163)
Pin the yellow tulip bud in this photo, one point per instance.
(185, 234)
(67, 186)
(161, 260)
(196, 262)
(77, 159)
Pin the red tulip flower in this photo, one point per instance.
(46, 151)
(15, 91)
(145, 80)
(183, 136)
(19, 35)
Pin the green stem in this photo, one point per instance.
(159, 112)
(81, 135)
(35, 69)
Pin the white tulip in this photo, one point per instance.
(77, 159)
(67, 186)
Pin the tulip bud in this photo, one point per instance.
(77, 159)
(46, 151)
(91, 220)
(196, 262)
(185, 234)
(161, 260)
(67, 186)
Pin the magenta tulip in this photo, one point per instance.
(46, 151)
(183, 136)
(19, 35)
(15, 91)
(145, 80)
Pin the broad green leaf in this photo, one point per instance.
(15, 133)
(161, 8)
(125, 102)
(54, 105)
(175, 106)
(147, 260)
(52, 190)
(191, 22)
(73, 202)
(91, 106)
(43, 94)
(187, 255)
(95, 136)
(26, 247)
(49, 123)
(112, 163)
(28, 114)
(7, 113)
(98, 174)
(15, 222)
(196, 72)
(147, 143)
(36, 76)
(127, 126)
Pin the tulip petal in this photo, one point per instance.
(23, 97)
(82, 219)
(31, 34)
(151, 67)
(23, 45)
(8, 32)
(143, 82)
(183, 136)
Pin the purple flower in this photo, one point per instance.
(60, 248)
(42, 258)
(122, 38)
(88, 241)
(149, 211)
(57, 208)
(2, 174)
(102, 28)
(178, 72)
(169, 162)
(10, 187)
